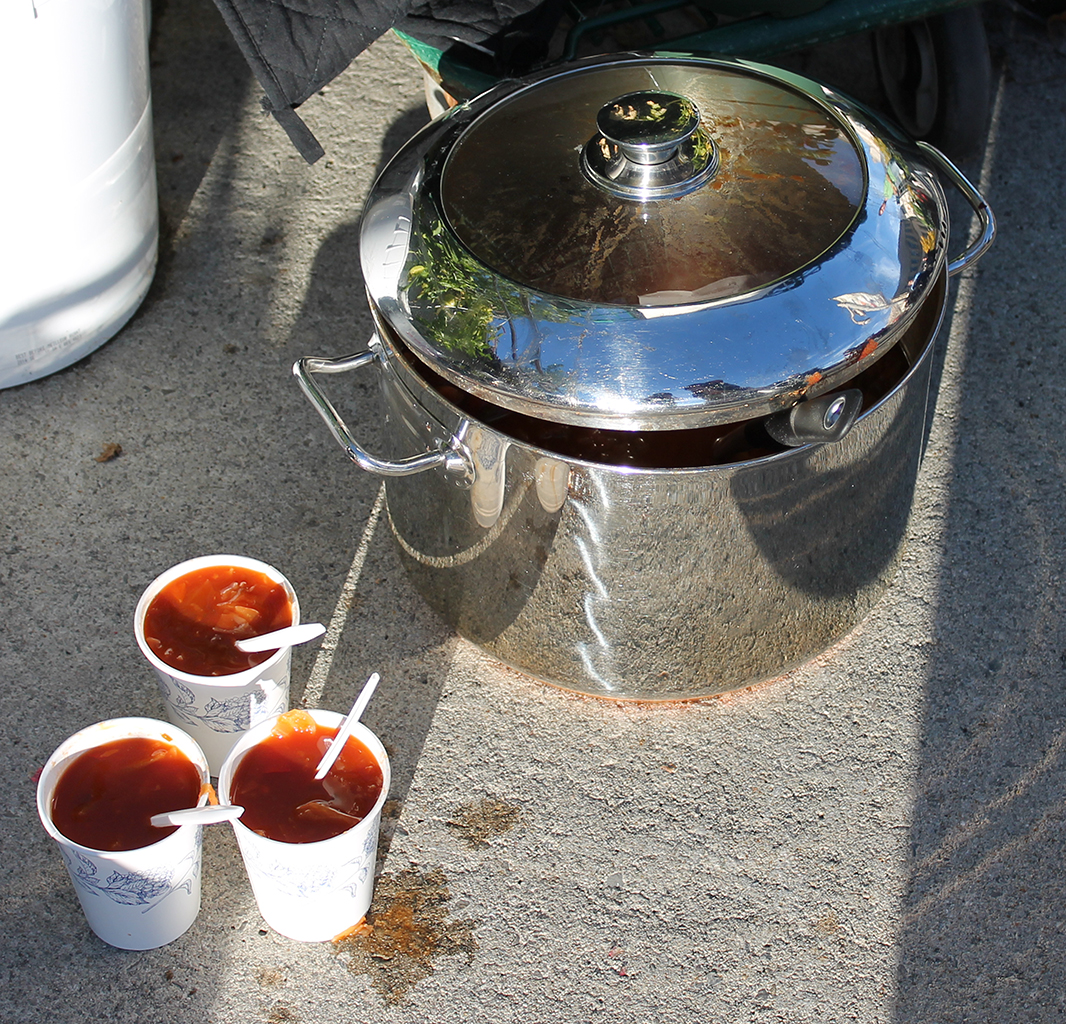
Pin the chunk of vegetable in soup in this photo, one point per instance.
(105, 797)
(275, 783)
(194, 622)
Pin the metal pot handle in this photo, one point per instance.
(451, 459)
(979, 246)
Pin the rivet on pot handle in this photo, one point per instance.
(816, 421)
(979, 246)
(452, 460)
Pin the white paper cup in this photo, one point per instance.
(311, 891)
(133, 899)
(217, 710)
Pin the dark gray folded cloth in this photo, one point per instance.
(295, 47)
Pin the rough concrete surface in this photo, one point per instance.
(875, 837)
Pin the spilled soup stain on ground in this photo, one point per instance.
(406, 931)
(481, 820)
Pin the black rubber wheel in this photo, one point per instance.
(936, 74)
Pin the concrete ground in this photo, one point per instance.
(876, 837)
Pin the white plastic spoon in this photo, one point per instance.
(287, 637)
(206, 815)
(337, 745)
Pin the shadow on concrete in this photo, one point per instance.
(406, 643)
(983, 935)
(199, 85)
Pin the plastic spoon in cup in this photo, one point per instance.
(207, 815)
(287, 637)
(335, 748)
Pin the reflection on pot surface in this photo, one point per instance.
(654, 584)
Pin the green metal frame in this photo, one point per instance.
(645, 12)
(764, 36)
(756, 37)
(460, 81)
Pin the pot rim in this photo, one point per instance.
(390, 351)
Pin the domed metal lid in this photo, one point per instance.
(652, 243)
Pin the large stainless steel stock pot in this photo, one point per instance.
(655, 336)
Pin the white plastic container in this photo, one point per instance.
(77, 179)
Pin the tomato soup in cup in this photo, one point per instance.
(309, 847)
(187, 623)
(138, 885)
(194, 622)
(106, 796)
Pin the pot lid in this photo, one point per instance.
(650, 243)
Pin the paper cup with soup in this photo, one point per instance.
(187, 624)
(309, 846)
(138, 884)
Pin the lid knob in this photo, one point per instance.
(650, 145)
(648, 126)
